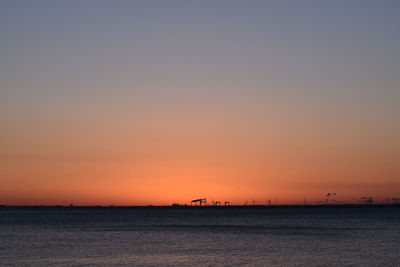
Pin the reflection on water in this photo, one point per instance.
(366, 236)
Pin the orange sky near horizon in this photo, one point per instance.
(160, 165)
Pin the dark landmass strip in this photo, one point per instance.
(207, 207)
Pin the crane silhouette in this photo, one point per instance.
(328, 195)
(216, 203)
(200, 201)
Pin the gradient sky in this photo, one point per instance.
(155, 102)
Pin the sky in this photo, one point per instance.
(160, 102)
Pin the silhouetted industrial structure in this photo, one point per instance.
(330, 199)
(199, 201)
(367, 200)
(328, 196)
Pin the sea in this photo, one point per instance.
(201, 236)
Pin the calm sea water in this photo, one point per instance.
(280, 236)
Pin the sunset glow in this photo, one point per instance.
(138, 103)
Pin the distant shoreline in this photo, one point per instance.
(205, 207)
